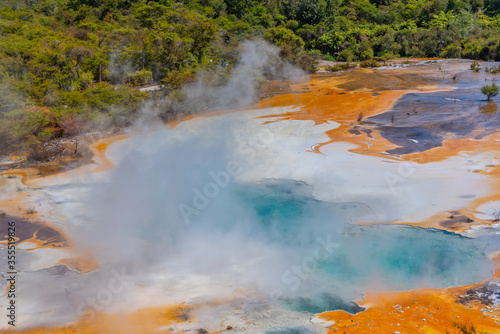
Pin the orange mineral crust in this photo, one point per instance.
(454, 221)
(454, 147)
(468, 146)
(99, 148)
(30, 176)
(339, 106)
(422, 311)
(419, 311)
(147, 321)
(83, 264)
(324, 102)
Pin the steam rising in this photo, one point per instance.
(258, 60)
(272, 236)
(186, 214)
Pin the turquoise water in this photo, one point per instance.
(365, 258)
(288, 330)
(277, 224)
(405, 257)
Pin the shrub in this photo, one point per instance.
(464, 329)
(475, 66)
(183, 313)
(140, 78)
(369, 63)
(453, 50)
(340, 67)
(496, 215)
(492, 70)
(30, 211)
(490, 91)
(347, 55)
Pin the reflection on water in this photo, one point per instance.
(421, 121)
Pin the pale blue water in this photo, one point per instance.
(385, 256)
(288, 330)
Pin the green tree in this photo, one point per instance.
(490, 91)
(311, 11)
(238, 7)
(284, 37)
(203, 33)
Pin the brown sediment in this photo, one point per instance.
(61, 156)
(273, 88)
(30, 225)
(453, 147)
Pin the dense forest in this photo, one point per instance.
(68, 66)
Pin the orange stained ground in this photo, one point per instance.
(466, 147)
(100, 159)
(83, 264)
(146, 321)
(423, 311)
(426, 311)
(18, 203)
(99, 148)
(321, 101)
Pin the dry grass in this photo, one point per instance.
(183, 313)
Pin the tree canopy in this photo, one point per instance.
(65, 62)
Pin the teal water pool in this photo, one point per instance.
(389, 257)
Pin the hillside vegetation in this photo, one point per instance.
(68, 66)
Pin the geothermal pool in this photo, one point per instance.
(289, 216)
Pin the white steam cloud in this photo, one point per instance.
(258, 60)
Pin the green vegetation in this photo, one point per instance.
(68, 66)
(490, 91)
(467, 330)
(475, 66)
(492, 70)
(464, 329)
(369, 63)
(340, 67)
